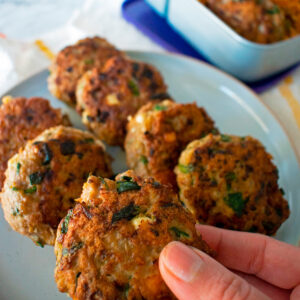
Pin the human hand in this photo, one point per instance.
(247, 267)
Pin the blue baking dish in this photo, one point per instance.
(225, 48)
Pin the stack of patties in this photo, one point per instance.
(108, 234)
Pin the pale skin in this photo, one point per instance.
(247, 266)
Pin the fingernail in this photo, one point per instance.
(182, 261)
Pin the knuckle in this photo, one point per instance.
(257, 259)
(235, 289)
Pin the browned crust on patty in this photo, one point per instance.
(107, 97)
(159, 132)
(73, 61)
(111, 246)
(22, 119)
(231, 182)
(45, 177)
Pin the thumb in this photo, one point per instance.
(193, 275)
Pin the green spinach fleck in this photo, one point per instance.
(73, 249)
(134, 87)
(18, 168)
(127, 184)
(126, 289)
(274, 10)
(65, 223)
(89, 61)
(159, 107)
(179, 233)
(186, 168)
(40, 243)
(47, 154)
(88, 141)
(144, 159)
(15, 212)
(225, 138)
(236, 202)
(230, 176)
(76, 247)
(128, 212)
(104, 182)
(30, 190)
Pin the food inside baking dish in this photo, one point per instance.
(260, 21)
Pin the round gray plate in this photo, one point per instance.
(26, 271)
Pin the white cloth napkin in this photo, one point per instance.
(20, 58)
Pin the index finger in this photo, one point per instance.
(275, 262)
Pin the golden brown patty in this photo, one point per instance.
(21, 120)
(108, 246)
(73, 61)
(159, 132)
(107, 98)
(231, 182)
(258, 21)
(45, 177)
